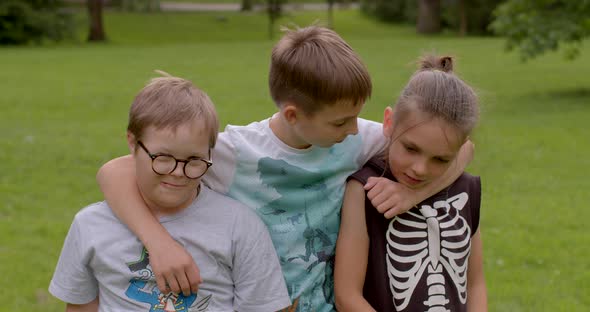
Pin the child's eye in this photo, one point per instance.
(340, 124)
(441, 160)
(410, 149)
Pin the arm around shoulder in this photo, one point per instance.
(352, 251)
(170, 262)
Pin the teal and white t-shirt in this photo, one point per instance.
(298, 194)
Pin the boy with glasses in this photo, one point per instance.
(172, 129)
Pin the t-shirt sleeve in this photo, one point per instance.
(373, 140)
(258, 279)
(73, 280)
(221, 173)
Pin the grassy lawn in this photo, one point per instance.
(63, 112)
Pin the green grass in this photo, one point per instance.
(63, 113)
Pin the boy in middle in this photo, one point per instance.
(290, 168)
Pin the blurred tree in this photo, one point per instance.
(25, 21)
(392, 11)
(96, 32)
(275, 11)
(537, 26)
(429, 13)
(246, 5)
(468, 16)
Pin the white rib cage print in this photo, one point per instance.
(437, 240)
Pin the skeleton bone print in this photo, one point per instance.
(431, 242)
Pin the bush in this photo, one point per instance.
(479, 15)
(391, 11)
(478, 12)
(26, 21)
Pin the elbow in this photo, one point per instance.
(342, 300)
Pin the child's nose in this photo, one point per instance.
(179, 170)
(420, 168)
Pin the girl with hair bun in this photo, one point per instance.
(429, 258)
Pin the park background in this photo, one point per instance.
(64, 105)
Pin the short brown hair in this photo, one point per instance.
(170, 102)
(313, 67)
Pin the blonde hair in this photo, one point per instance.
(168, 102)
(434, 89)
(313, 67)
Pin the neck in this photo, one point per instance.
(160, 211)
(283, 130)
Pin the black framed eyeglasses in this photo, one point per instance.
(162, 164)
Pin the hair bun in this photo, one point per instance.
(433, 62)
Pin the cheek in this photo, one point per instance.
(438, 169)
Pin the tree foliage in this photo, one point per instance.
(536, 26)
(26, 21)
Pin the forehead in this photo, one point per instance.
(190, 138)
(432, 136)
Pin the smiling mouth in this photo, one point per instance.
(167, 184)
(413, 181)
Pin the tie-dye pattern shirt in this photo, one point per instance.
(298, 194)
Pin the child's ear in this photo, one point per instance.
(388, 122)
(131, 142)
(289, 112)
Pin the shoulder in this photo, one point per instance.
(255, 134)
(95, 214)
(227, 206)
(251, 128)
(369, 127)
(468, 183)
(375, 167)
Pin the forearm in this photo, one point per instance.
(477, 300)
(117, 181)
(353, 303)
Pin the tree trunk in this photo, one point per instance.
(274, 12)
(331, 14)
(463, 18)
(246, 5)
(95, 16)
(428, 17)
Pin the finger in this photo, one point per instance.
(382, 201)
(385, 203)
(172, 283)
(376, 190)
(370, 183)
(185, 286)
(391, 213)
(194, 278)
(161, 282)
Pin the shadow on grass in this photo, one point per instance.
(579, 93)
(556, 100)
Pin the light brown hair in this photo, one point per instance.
(168, 102)
(313, 67)
(434, 89)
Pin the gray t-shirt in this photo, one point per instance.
(232, 247)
